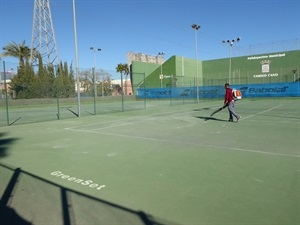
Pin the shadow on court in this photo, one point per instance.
(29, 199)
(4, 144)
(202, 109)
(206, 118)
(8, 215)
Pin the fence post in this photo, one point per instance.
(5, 90)
(57, 90)
(95, 89)
(122, 92)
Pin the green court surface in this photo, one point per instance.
(160, 165)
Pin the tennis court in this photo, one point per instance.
(160, 165)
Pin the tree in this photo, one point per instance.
(24, 83)
(106, 86)
(19, 51)
(123, 68)
(45, 80)
(66, 81)
(48, 82)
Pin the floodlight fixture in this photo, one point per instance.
(195, 26)
(95, 49)
(230, 42)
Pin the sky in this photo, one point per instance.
(153, 26)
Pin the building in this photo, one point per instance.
(178, 71)
(127, 87)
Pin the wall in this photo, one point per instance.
(254, 69)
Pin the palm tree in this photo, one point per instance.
(19, 51)
(123, 68)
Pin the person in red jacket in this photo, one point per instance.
(230, 102)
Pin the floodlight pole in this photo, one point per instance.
(196, 28)
(95, 50)
(76, 55)
(161, 54)
(95, 77)
(230, 42)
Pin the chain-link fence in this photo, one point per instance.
(58, 93)
(44, 95)
(165, 89)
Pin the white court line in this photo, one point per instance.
(112, 134)
(164, 140)
(148, 117)
(129, 120)
(260, 152)
(189, 143)
(261, 112)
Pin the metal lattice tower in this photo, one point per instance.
(43, 37)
